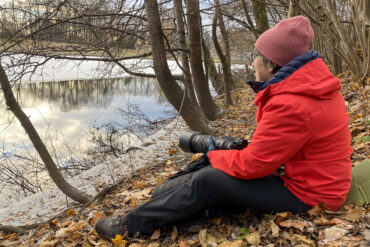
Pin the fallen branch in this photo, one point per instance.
(17, 229)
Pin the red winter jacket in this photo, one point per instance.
(303, 125)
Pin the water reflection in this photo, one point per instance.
(70, 107)
(74, 94)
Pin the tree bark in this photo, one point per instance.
(190, 112)
(184, 55)
(223, 58)
(260, 15)
(215, 77)
(52, 169)
(246, 12)
(208, 106)
(293, 8)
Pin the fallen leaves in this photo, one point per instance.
(332, 233)
(139, 184)
(253, 238)
(236, 243)
(274, 229)
(118, 241)
(302, 241)
(72, 228)
(155, 235)
(319, 227)
(355, 212)
(298, 224)
(97, 215)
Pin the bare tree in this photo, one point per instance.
(54, 173)
(249, 19)
(260, 15)
(213, 74)
(175, 95)
(208, 106)
(179, 16)
(293, 8)
(224, 58)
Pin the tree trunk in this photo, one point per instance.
(184, 55)
(337, 62)
(215, 77)
(52, 169)
(260, 15)
(250, 22)
(224, 59)
(208, 106)
(293, 8)
(190, 112)
(225, 40)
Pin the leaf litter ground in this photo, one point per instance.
(349, 226)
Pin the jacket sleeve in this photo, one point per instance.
(282, 131)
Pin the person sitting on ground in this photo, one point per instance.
(302, 126)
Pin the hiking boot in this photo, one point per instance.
(109, 227)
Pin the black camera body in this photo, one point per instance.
(195, 142)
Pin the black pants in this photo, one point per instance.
(207, 188)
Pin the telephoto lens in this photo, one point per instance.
(195, 142)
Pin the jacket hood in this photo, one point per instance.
(305, 75)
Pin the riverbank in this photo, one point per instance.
(43, 205)
(318, 227)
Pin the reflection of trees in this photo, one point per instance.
(97, 93)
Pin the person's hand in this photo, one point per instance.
(211, 145)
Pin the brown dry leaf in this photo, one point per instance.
(118, 241)
(10, 243)
(155, 235)
(366, 234)
(332, 233)
(283, 215)
(55, 222)
(172, 151)
(298, 224)
(97, 215)
(196, 156)
(354, 214)
(74, 227)
(318, 209)
(236, 243)
(253, 238)
(71, 212)
(169, 162)
(322, 221)
(206, 239)
(343, 223)
(202, 236)
(141, 194)
(11, 236)
(153, 244)
(140, 184)
(183, 244)
(174, 233)
(274, 229)
(353, 241)
(136, 245)
(134, 203)
(302, 240)
(217, 221)
(49, 243)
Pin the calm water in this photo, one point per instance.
(63, 110)
(69, 108)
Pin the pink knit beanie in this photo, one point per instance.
(286, 40)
